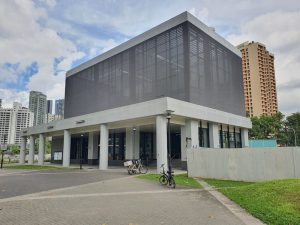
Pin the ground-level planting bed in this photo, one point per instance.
(35, 167)
(274, 202)
(180, 179)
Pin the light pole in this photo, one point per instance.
(295, 136)
(133, 148)
(2, 152)
(81, 142)
(168, 116)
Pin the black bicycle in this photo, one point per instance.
(167, 178)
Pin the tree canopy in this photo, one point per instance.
(276, 127)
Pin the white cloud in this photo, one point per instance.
(25, 41)
(13, 96)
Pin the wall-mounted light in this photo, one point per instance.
(50, 127)
(80, 121)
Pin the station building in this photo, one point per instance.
(116, 103)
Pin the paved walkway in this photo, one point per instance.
(112, 201)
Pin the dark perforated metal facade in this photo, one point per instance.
(182, 63)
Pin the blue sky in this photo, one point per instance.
(40, 40)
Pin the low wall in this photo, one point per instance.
(244, 164)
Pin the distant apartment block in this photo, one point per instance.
(38, 105)
(12, 120)
(259, 79)
(52, 117)
(0, 103)
(60, 107)
(49, 106)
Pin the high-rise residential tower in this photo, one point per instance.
(12, 120)
(60, 107)
(259, 79)
(38, 105)
(49, 106)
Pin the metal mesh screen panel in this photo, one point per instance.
(182, 63)
(152, 69)
(215, 74)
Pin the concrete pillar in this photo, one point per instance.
(132, 143)
(23, 150)
(183, 143)
(214, 141)
(136, 143)
(103, 161)
(245, 139)
(41, 149)
(67, 148)
(192, 132)
(31, 150)
(92, 148)
(129, 144)
(161, 142)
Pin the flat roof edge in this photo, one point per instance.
(179, 19)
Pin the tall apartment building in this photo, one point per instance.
(49, 106)
(12, 120)
(60, 107)
(38, 105)
(0, 103)
(259, 79)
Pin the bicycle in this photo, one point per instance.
(167, 178)
(135, 166)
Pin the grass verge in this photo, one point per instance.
(180, 179)
(34, 167)
(274, 202)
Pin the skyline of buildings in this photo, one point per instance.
(259, 79)
(12, 121)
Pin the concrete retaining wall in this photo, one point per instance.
(244, 164)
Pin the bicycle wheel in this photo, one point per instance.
(143, 170)
(172, 183)
(163, 179)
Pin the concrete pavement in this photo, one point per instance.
(116, 199)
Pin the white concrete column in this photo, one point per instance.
(31, 150)
(214, 141)
(245, 138)
(161, 142)
(136, 143)
(129, 144)
(183, 143)
(23, 150)
(41, 149)
(103, 161)
(132, 143)
(67, 148)
(92, 147)
(192, 132)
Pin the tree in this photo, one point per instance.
(266, 127)
(293, 128)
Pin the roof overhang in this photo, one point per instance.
(140, 112)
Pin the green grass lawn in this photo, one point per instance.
(180, 179)
(274, 202)
(34, 167)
